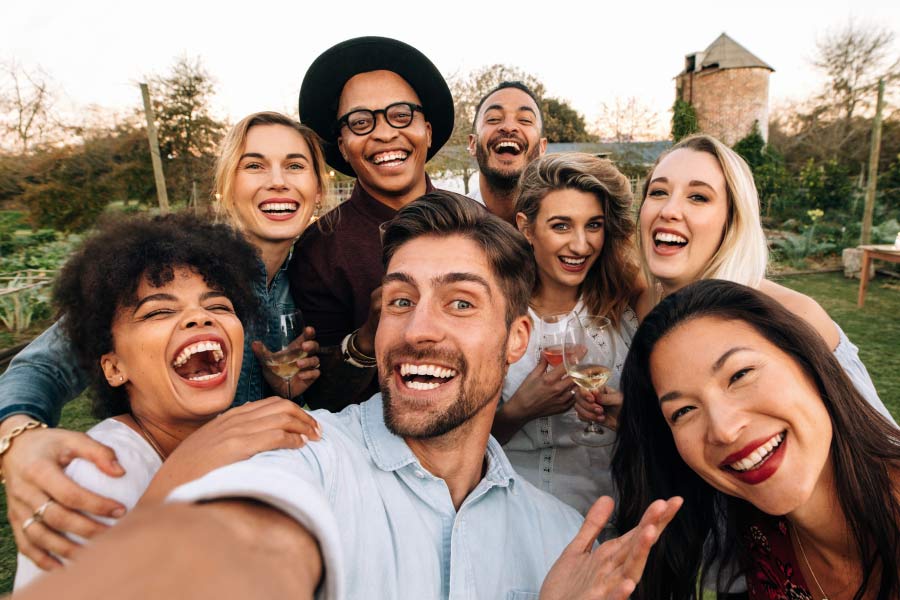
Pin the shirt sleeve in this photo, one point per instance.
(291, 482)
(320, 288)
(42, 378)
(847, 355)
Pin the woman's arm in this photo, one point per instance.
(38, 382)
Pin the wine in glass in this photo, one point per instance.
(589, 355)
(283, 362)
(552, 332)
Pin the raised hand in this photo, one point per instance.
(612, 570)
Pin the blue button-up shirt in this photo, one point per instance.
(44, 376)
(388, 528)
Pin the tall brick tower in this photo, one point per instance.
(729, 89)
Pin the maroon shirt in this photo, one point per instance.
(336, 266)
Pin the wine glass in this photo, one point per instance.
(283, 362)
(552, 332)
(589, 355)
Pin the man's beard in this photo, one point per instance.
(502, 180)
(473, 395)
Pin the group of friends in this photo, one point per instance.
(750, 453)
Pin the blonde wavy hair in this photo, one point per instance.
(233, 147)
(743, 254)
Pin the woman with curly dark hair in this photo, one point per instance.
(270, 181)
(576, 212)
(162, 344)
(740, 407)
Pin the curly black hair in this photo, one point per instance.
(105, 273)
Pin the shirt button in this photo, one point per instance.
(420, 474)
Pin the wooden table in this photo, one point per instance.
(886, 252)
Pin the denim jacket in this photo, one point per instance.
(44, 376)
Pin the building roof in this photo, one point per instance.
(640, 153)
(724, 53)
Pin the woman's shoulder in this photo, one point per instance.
(804, 307)
(135, 455)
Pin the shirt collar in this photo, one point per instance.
(390, 452)
(378, 210)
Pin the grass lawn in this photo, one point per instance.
(874, 328)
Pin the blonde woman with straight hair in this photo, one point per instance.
(576, 211)
(699, 219)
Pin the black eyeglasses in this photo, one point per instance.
(398, 115)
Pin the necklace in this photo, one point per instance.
(150, 439)
(808, 566)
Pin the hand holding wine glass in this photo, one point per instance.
(293, 359)
(589, 356)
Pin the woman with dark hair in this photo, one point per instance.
(575, 210)
(270, 181)
(741, 408)
(162, 345)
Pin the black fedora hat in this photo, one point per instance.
(324, 81)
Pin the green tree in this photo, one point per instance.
(67, 187)
(751, 147)
(188, 133)
(562, 123)
(684, 120)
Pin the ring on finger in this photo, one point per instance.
(572, 391)
(39, 513)
(28, 523)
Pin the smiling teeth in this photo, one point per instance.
(507, 144)
(279, 206)
(669, 237)
(203, 377)
(430, 370)
(757, 456)
(573, 261)
(193, 349)
(389, 157)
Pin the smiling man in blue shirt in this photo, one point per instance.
(407, 495)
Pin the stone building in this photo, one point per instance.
(729, 89)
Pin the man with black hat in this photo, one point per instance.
(383, 110)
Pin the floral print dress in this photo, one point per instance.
(773, 573)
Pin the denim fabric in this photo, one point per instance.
(44, 376)
(387, 527)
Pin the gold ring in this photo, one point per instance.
(39, 513)
(28, 523)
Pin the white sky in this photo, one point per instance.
(586, 52)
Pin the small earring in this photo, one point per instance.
(121, 378)
(317, 210)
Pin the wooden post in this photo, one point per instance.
(154, 152)
(866, 234)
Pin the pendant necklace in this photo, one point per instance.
(152, 441)
(808, 566)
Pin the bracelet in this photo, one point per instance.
(6, 440)
(352, 353)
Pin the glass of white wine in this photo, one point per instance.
(283, 362)
(589, 355)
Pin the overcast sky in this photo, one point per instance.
(586, 52)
